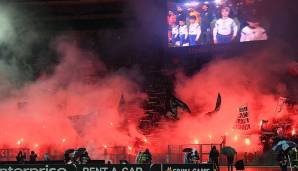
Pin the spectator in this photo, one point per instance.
(68, 155)
(183, 33)
(206, 19)
(225, 30)
(46, 157)
(283, 160)
(187, 158)
(230, 162)
(194, 31)
(171, 18)
(85, 158)
(20, 157)
(195, 157)
(138, 158)
(171, 23)
(253, 31)
(213, 157)
(144, 157)
(222, 4)
(180, 14)
(193, 12)
(247, 9)
(32, 157)
(148, 156)
(175, 35)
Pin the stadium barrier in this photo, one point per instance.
(108, 167)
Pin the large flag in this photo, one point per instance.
(172, 107)
(217, 105)
(81, 122)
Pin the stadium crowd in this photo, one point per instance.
(214, 22)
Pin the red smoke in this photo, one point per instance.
(38, 115)
(256, 80)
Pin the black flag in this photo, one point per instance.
(217, 105)
(172, 107)
(81, 122)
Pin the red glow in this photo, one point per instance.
(210, 137)
(247, 141)
(293, 132)
(261, 122)
(51, 100)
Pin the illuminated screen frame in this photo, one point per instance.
(244, 34)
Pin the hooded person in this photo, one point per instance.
(213, 157)
(138, 158)
(32, 157)
(20, 157)
(187, 157)
(147, 156)
(283, 160)
(85, 158)
(195, 157)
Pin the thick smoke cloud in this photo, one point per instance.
(256, 80)
(78, 105)
(24, 49)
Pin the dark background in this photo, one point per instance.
(130, 32)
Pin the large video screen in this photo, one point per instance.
(208, 22)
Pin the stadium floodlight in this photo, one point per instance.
(217, 1)
(192, 4)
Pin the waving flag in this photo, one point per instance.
(172, 107)
(217, 105)
(81, 122)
